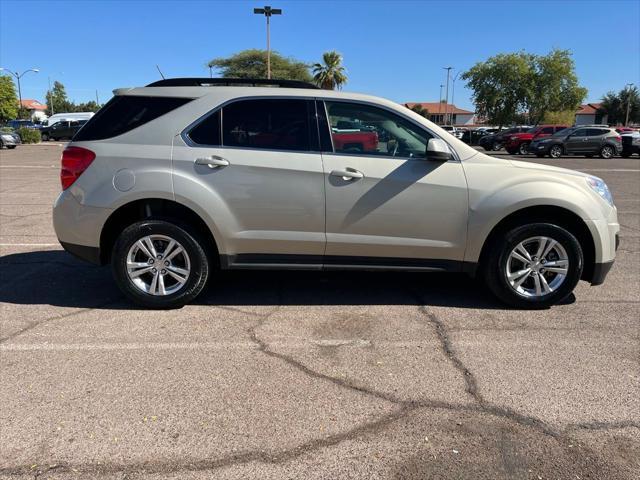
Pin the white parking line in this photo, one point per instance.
(29, 166)
(28, 244)
(126, 346)
(609, 169)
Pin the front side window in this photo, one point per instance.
(580, 133)
(367, 130)
(271, 124)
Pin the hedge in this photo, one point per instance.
(29, 135)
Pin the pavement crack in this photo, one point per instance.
(603, 425)
(471, 384)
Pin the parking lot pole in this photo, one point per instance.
(267, 11)
(446, 102)
(626, 119)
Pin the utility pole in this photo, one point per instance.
(440, 103)
(97, 99)
(267, 11)
(50, 95)
(446, 102)
(18, 76)
(626, 120)
(453, 89)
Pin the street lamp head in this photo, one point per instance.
(267, 11)
(35, 70)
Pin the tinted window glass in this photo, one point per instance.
(124, 113)
(272, 124)
(547, 130)
(358, 128)
(580, 133)
(207, 132)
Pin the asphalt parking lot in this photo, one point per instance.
(307, 374)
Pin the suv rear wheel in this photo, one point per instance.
(534, 266)
(159, 264)
(606, 152)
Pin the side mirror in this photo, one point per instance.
(438, 150)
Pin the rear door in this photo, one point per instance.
(259, 159)
(576, 141)
(387, 204)
(594, 140)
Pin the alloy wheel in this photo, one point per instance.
(537, 267)
(158, 265)
(555, 151)
(606, 152)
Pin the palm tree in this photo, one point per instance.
(330, 74)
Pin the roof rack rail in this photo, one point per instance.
(230, 82)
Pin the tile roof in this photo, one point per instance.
(435, 108)
(589, 109)
(33, 104)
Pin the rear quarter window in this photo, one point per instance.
(124, 113)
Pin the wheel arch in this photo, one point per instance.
(557, 215)
(158, 208)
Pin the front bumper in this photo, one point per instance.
(9, 141)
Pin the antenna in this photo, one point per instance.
(159, 71)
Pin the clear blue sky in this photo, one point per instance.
(394, 49)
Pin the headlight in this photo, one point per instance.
(598, 186)
(8, 138)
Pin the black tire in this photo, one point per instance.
(496, 146)
(11, 147)
(523, 149)
(45, 137)
(511, 152)
(555, 151)
(494, 268)
(607, 152)
(195, 282)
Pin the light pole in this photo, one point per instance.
(267, 11)
(18, 76)
(440, 103)
(453, 88)
(446, 102)
(626, 119)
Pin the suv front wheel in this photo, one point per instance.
(534, 266)
(159, 264)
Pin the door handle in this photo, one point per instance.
(348, 174)
(213, 161)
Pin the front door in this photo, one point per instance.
(259, 162)
(387, 204)
(577, 141)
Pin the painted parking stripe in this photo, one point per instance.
(29, 244)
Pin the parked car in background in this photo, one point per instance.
(62, 129)
(630, 144)
(67, 116)
(622, 130)
(16, 124)
(588, 141)
(495, 141)
(519, 142)
(456, 132)
(9, 138)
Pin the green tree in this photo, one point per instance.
(8, 99)
(330, 74)
(508, 84)
(499, 86)
(253, 64)
(90, 106)
(615, 106)
(420, 110)
(566, 117)
(58, 96)
(552, 85)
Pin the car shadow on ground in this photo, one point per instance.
(54, 277)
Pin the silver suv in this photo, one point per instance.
(172, 181)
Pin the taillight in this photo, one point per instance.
(75, 160)
(617, 139)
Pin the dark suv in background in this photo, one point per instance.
(588, 141)
(62, 129)
(494, 142)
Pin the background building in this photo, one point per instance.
(36, 109)
(590, 113)
(455, 116)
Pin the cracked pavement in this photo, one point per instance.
(322, 375)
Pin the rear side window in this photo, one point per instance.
(208, 131)
(547, 130)
(124, 113)
(270, 124)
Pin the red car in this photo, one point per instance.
(519, 142)
(622, 130)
